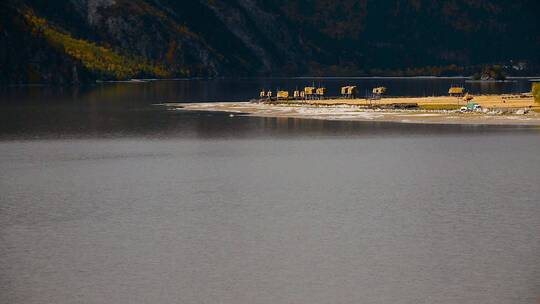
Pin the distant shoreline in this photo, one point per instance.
(147, 80)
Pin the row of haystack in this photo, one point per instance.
(307, 93)
(316, 93)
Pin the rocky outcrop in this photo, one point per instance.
(90, 8)
(262, 32)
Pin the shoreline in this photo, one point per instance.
(355, 110)
(146, 80)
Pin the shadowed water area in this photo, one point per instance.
(106, 197)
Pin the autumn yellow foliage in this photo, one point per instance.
(97, 59)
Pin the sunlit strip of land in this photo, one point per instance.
(429, 110)
(435, 103)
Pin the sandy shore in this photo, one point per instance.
(352, 110)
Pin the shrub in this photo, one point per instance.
(536, 91)
(494, 72)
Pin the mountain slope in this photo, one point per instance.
(167, 38)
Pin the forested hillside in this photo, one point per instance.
(82, 40)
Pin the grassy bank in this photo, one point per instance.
(438, 107)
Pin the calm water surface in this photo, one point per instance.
(106, 198)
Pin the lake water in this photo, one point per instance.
(108, 198)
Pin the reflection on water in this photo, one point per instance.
(159, 122)
(245, 89)
(107, 198)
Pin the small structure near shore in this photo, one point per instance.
(377, 93)
(313, 93)
(321, 92)
(456, 91)
(379, 90)
(349, 92)
(310, 92)
(282, 95)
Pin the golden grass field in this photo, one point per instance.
(434, 103)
